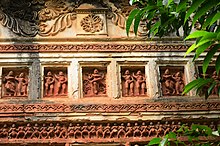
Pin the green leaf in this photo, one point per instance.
(154, 141)
(215, 18)
(164, 141)
(181, 6)
(200, 43)
(191, 48)
(193, 7)
(191, 85)
(208, 57)
(196, 34)
(217, 64)
(172, 135)
(130, 19)
(137, 20)
(201, 49)
(203, 9)
(208, 20)
(209, 36)
(211, 87)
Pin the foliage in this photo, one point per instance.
(193, 134)
(163, 17)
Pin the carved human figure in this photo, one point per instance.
(107, 131)
(21, 132)
(168, 82)
(99, 131)
(77, 133)
(50, 130)
(43, 131)
(28, 131)
(179, 84)
(216, 79)
(10, 86)
(85, 131)
(12, 131)
(129, 130)
(95, 79)
(22, 84)
(70, 131)
(92, 132)
(121, 131)
(136, 129)
(62, 83)
(49, 84)
(140, 84)
(129, 83)
(4, 132)
(36, 133)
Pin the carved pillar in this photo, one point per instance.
(73, 75)
(190, 73)
(35, 80)
(152, 79)
(113, 82)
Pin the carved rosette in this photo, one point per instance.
(15, 82)
(92, 23)
(55, 82)
(94, 82)
(133, 81)
(172, 80)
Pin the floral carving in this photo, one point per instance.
(172, 81)
(50, 17)
(15, 82)
(92, 23)
(94, 83)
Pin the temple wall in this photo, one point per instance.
(71, 76)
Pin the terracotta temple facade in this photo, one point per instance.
(71, 76)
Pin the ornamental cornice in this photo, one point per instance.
(110, 108)
(108, 47)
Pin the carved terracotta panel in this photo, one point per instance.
(55, 81)
(15, 82)
(172, 80)
(133, 81)
(94, 81)
(210, 73)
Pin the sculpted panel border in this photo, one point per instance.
(62, 131)
(91, 47)
(108, 108)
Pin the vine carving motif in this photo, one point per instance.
(49, 17)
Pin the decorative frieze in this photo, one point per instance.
(122, 131)
(15, 82)
(108, 47)
(94, 81)
(172, 80)
(55, 81)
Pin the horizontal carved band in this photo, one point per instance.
(95, 132)
(90, 47)
(149, 107)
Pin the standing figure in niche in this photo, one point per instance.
(10, 84)
(216, 79)
(62, 83)
(140, 84)
(129, 83)
(179, 84)
(22, 85)
(49, 84)
(167, 78)
(95, 79)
